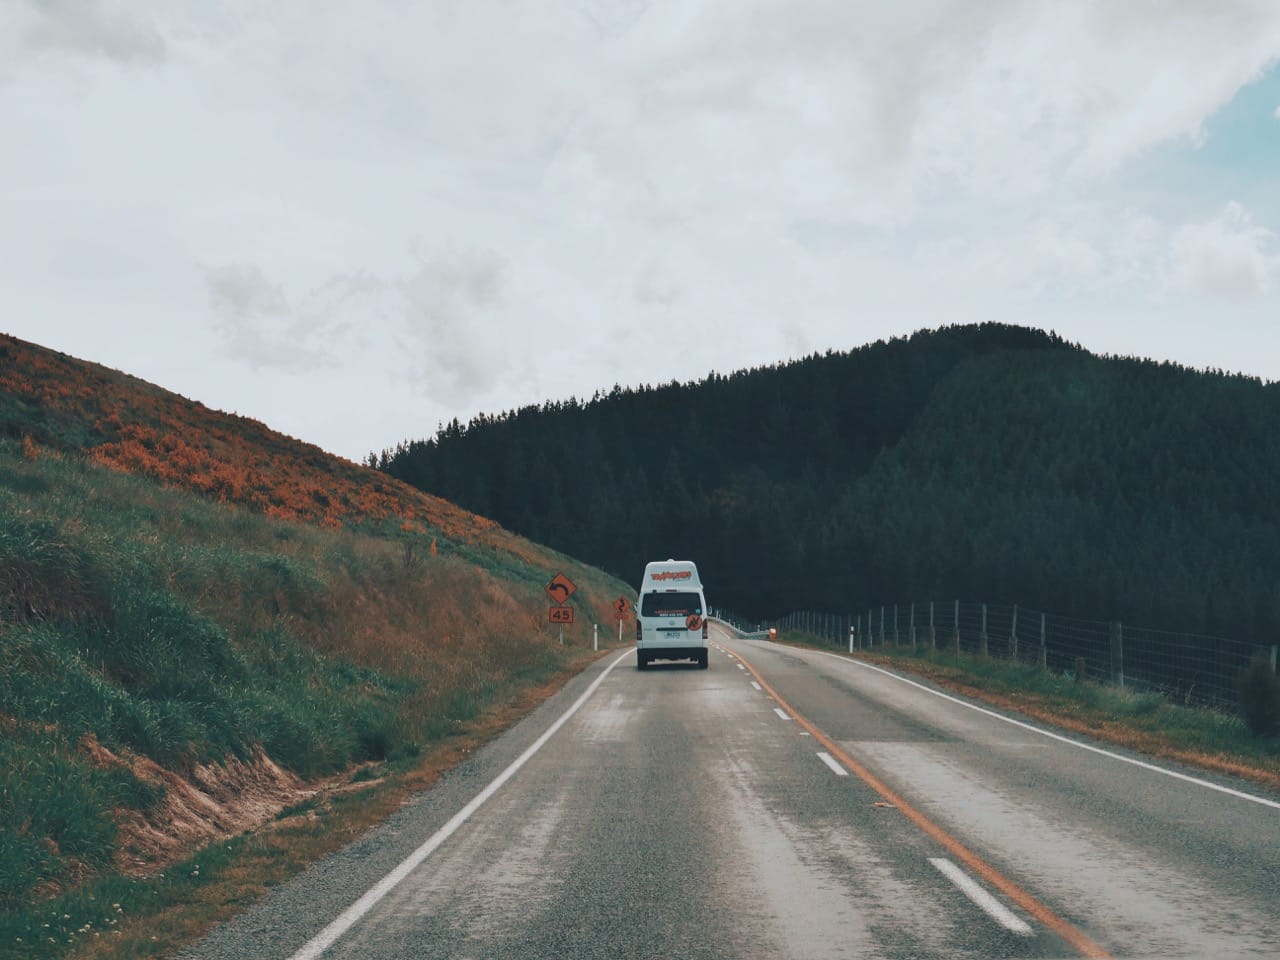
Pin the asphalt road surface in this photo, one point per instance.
(788, 803)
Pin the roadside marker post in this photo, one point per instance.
(621, 606)
(595, 637)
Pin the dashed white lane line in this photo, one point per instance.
(757, 686)
(988, 904)
(741, 667)
(830, 761)
(781, 713)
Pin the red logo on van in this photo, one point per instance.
(693, 621)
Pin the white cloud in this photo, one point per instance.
(240, 292)
(107, 28)
(259, 324)
(462, 206)
(1228, 254)
(457, 348)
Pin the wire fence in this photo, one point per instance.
(1186, 667)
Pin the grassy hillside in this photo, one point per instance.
(987, 462)
(199, 616)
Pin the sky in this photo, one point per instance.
(357, 221)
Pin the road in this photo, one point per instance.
(788, 803)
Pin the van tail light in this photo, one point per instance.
(704, 628)
(639, 631)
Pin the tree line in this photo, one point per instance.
(986, 461)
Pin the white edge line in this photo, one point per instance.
(830, 761)
(782, 713)
(988, 904)
(348, 918)
(1252, 798)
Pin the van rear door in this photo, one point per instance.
(672, 614)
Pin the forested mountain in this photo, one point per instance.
(986, 461)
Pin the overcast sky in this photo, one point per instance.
(354, 220)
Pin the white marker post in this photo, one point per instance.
(595, 637)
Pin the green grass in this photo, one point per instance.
(156, 624)
(1143, 719)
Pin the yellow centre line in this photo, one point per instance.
(1085, 946)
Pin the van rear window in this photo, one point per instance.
(670, 605)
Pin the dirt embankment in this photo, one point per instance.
(211, 802)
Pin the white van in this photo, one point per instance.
(671, 616)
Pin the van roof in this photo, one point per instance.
(670, 574)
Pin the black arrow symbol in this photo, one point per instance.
(559, 588)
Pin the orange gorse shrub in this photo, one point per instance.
(143, 429)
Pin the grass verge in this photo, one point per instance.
(124, 918)
(160, 652)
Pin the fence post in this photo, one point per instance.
(933, 637)
(912, 630)
(982, 637)
(882, 626)
(896, 641)
(1044, 653)
(1273, 659)
(956, 627)
(1117, 655)
(1013, 636)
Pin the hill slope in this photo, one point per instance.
(179, 658)
(989, 461)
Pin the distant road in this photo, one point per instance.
(788, 803)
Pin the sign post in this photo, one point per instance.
(622, 607)
(560, 589)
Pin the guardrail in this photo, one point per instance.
(742, 634)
